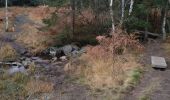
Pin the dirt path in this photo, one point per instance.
(155, 84)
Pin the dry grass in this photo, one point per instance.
(37, 86)
(33, 39)
(7, 52)
(107, 65)
(102, 74)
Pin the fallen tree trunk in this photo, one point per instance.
(146, 32)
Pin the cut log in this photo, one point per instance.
(158, 62)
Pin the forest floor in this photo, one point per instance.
(155, 84)
(64, 87)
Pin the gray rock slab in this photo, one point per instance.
(158, 62)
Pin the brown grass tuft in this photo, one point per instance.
(7, 52)
(37, 86)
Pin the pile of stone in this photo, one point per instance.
(62, 53)
(22, 65)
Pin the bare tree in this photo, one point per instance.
(131, 7)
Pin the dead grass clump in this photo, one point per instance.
(33, 39)
(7, 52)
(108, 64)
(103, 74)
(37, 86)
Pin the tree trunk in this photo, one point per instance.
(163, 27)
(73, 17)
(164, 16)
(112, 17)
(131, 7)
(123, 11)
(146, 28)
(6, 15)
(168, 24)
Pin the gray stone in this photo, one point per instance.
(16, 69)
(75, 53)
(67, 50)
(63, 58)
(158, 62)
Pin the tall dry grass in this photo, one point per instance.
(107, 65)
(35, 40)
(37, 86)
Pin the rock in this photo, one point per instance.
(63, 58)
(75, 53)
(158, 62)
(35, 58)
(16, 69)
(68, 49)
(26, 62)
(54, 59)
(52, 51)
